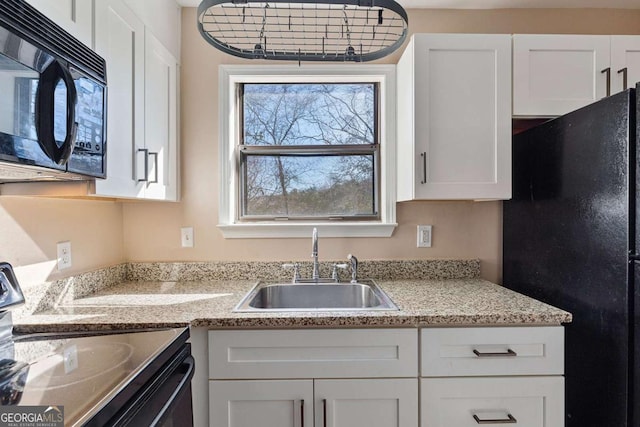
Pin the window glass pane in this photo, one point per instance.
(309, 186)
(309, 114)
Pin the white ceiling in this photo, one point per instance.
(498, 4)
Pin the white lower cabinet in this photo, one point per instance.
(321, 378)
(366, 403)
(281, 403)
(468, 376)
(467, 402)
(492, 376)
(331, 403)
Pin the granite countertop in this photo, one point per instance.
(209, 303)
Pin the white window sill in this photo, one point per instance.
(289, 230)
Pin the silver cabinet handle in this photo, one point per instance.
(424, 168)
(324, 412)
(302, 413)
(624, 72)
(508, 353)
(146, 165)
(607, 71)
(155, 169)
(509, 420)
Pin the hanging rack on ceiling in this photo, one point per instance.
(304, 30)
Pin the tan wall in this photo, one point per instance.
(31, 227)
(105, 233)
(461, 229)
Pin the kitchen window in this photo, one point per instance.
(309, 146)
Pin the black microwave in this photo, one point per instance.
(53, 100)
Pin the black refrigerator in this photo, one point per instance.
(571, 239)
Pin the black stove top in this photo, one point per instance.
(78, 371)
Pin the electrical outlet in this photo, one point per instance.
(186, 234)
(424, 236)
(64, 255)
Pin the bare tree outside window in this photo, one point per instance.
(309, 150)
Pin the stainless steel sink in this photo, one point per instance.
(315, 297)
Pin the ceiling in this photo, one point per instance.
(497, 4)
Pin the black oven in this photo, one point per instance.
(53, 103)
(116, 379)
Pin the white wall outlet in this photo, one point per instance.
(186, 234)
(64, 255)
(424, 236)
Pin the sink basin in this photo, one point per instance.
(315, 297)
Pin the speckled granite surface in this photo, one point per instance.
(209, 304)
(272, 270)
(50, 294)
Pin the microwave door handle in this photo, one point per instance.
(45, 112)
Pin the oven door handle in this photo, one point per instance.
(45, 112)
(185, 382)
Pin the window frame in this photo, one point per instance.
(229, 157)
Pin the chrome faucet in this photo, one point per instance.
(354, 268)
(314, 254)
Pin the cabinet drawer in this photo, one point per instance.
(521, 401)
(492, 351)
(320, 353)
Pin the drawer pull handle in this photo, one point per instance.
(624, 77)
(508, 353)
(424, 167)
(324, 412)
(607, 71)
(509, 420)
(302, 413)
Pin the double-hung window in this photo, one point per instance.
(308, 146)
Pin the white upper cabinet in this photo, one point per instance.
(119, 37)
(142, 119)
(556, 74)
(74, 16)
(160, 160)
(625, 62)
(454, 117)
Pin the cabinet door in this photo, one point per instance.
(556, 74)
(462, 113)
(161, 140)
(467, 402)
(74, 16)
(120, 40)
(625, 62)
(366, 403)
(261, 403)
